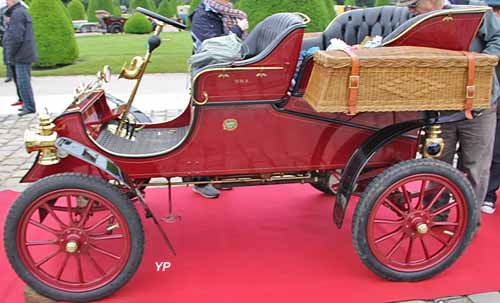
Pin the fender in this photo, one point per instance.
(370, 147)
(66, 146)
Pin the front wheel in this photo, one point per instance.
(414, 220)
(74, 237)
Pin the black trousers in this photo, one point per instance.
(494, 182)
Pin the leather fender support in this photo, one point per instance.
(369, 148)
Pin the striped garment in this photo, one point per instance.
(230, 16)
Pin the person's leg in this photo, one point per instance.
(25, 91)
(8, 76)
(494, 182)
(206, 190)
(476, 139)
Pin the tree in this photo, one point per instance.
(139, 3)
(76, 10)
(95, 5)
(258, 10)
(168, 8)
(382, 2)
(138, 24)
(54, 35)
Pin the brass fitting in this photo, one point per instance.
(433, 144)
(43, 140)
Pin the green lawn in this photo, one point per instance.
(115, 50)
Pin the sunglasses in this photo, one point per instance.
(414, 4)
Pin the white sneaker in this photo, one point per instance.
(488, 207)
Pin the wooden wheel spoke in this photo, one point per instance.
(395, 247)
(104, 252)
(436, 198)
(80, 269)
(408, 253)
(85, 214)
(47, 258)
(394, 208)
(421, 196)
(386, 221)
(433, 234)
(44, 227)
(48, 208)
(100, 222)
(96, 265)
(443, 209)
(389, 235)
(446, 223)
(406, 194)
(105, 237)
(63, 266)
(41, 242)
(424, 248)
(70, 210)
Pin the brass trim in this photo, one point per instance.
(261, 75)
(354, 82)
(230, 125)
(226, 69)
(223, 76)
(305, 17)
(233, 180)
(437, 13)
(448, 18)
(470, 92)
(205, 101)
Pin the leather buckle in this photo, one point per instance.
(470, 92)
(354, 82)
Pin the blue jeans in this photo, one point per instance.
(22, 77)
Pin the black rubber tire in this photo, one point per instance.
(116, 29)
(377, 188)
(75, 181)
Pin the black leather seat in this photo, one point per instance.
(268, 33)
(353, 26)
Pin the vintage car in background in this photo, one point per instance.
(75, 234)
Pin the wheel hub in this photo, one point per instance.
(71, 247)
(422, 228)
(417, 222)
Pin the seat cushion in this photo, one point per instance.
(353, 26)
(268, 30)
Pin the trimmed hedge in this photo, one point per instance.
(330, 6)
(382, 2)
(77, 10)
(95, 5)
(140, 3)
(54, 35)
(138, 24)
(258, 10)
(168, 8)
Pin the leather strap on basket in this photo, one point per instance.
(353, 81)
(470, 90)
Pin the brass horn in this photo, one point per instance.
(134, 71)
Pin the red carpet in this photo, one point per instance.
(271, 244)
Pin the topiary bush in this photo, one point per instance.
(54, 35)
(258, 10)
(77, 10)
(382, 2)
(138, 24)
(168, 8)
(330, 7)
(95, 5)
(139, 3)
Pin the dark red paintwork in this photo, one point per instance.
(268, 139)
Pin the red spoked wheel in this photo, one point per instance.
(414, 220)
(74, 237)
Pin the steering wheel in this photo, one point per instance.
(161, 18)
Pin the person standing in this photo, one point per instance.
(3, 25)
(476, 136)
(489, 204)
(215, 18)
(21, 53)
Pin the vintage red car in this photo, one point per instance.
(245, 125)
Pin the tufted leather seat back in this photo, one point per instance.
(353, 26)
(268, 30)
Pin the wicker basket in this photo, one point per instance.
(399, 79)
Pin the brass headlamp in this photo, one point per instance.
(43, 140)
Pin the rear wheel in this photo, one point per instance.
(414, 220)
(74, 237)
